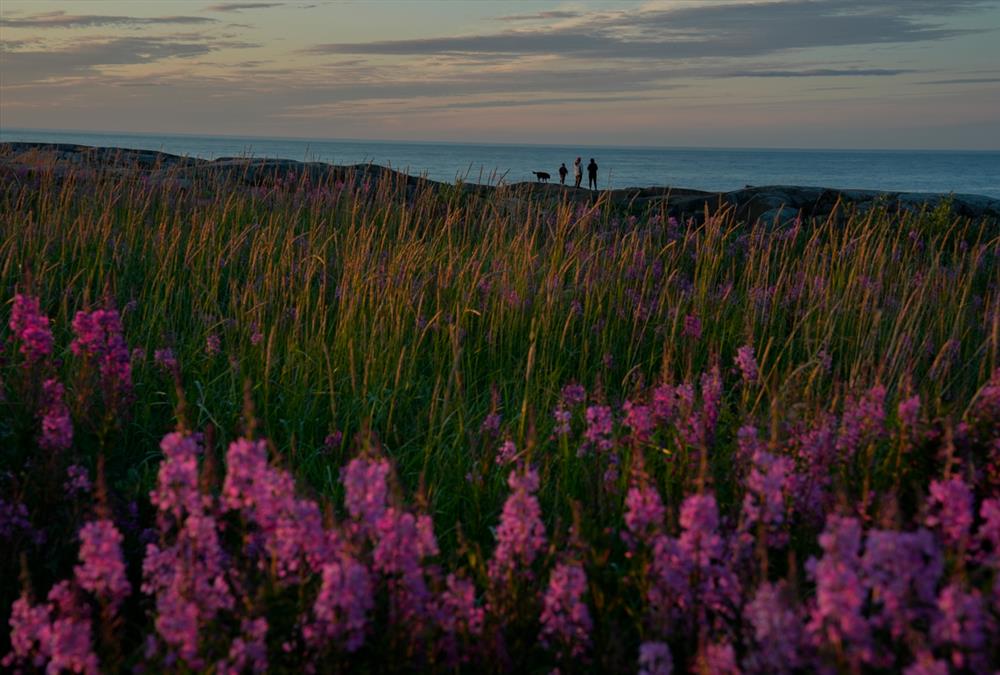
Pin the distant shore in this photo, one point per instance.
(769, 203)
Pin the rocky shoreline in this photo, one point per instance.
(771, 203)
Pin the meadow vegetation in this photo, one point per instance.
(355, 426)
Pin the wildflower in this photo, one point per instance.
(639, 418)
(99, 337)
(458, 616)
(565, 618)
(573, 395)
(333, 440)
(837, 615)
(102, 568)
(711, 400)
(507, 453)
(290, 530)
(748, 444)
(863, 421)
(402, 541)
(30, 633)
(964, 625)
(950, 510)
(490, 425)
(77, 481)
(562, 419)
(256, 337)
(692, 570)
(165, 358)
(57, 427)
(747, 363)
(213, 344)
(718, 659)
(598, 433)
(909, 411)
(902, 569)
(248, 651)
(177, 490)
(926, 664)
(56, 635)
(644, 510)
(521, 534)
(989, 533)
(692, 327)
(31, 328)
(13, 519)
(777, 630)
(664, 404)
(768, 487)
(342, 605)
(365, 489)
(189, 581)
(655, 659)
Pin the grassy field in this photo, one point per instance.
(768, 420)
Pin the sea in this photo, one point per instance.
(716, 169)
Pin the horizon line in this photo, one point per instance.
(488, 143)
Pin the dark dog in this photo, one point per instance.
(543, 176)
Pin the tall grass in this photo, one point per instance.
(415, 312)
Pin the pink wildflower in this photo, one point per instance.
(598, 433)
(644, 511)
(31, 328)
(507, 453)
(769, 487)
(747, 363)
(77, 480)
(57, 427)
(165, 358)
(950, 510)
(692, 327)
(838, 614)
(366, 492)
(655, 659)
(99, 338)
(213, 344)
(909, 412)
(102, 568)
(248, 652)
(342, 605)
(777, 630)
(863, 422)
(521, 534)
(177, 489)
(639, 418)
(566, 621)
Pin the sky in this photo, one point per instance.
(892, 74)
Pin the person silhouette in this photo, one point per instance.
(592, 174)
(578, 170)
(562, 173)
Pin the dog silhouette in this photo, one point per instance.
(543, 176)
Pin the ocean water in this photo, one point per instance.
(699, 168)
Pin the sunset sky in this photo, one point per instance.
(777, 73)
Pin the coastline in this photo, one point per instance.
(779, 203)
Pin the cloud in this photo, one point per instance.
(821, 72)
(537, 16)
(964, 80)
(700, 31)
(87, 56)
(61, 19)
(240, 6)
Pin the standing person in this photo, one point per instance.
(562, 173)
(578, 170)
(592, 174)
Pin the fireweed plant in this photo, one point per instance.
(360, 426)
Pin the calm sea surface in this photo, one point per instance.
(699, 168)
